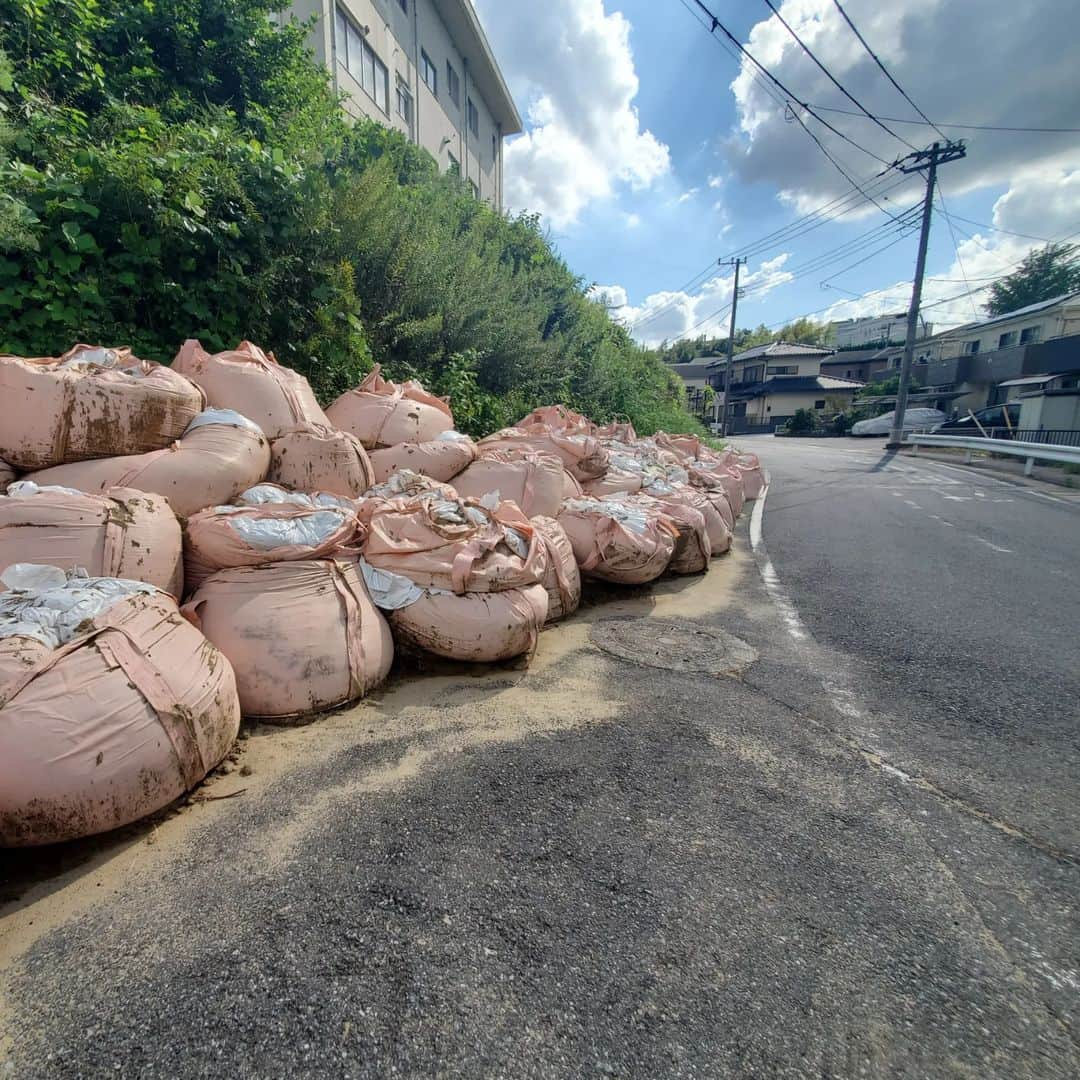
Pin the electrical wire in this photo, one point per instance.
(832, 78)
(946, 124)
(955, 242)
(885, 71)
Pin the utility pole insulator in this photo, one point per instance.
(930, 160)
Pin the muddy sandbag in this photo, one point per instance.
(533, 482)
(111, 706)
(8, 475)
(614, 482)
(690, 446)
(571, 487)
(455, 544)
(712, 505)
(220, 455)
(314, 458)
(223, 537)
(619, 539)
(562, 578)
(692, 546)
(122, 533)
(301, 636)
(383, 413)
(90, 403)
(582, 455)
(477, 627)
(622, 431)
(252, 383)
(752, 475)
(711, 476)
(441, 458)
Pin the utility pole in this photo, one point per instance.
(929, 160)
(730, 348)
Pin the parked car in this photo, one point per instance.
(915, 419)
(998, 421)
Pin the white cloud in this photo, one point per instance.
(633, 221)
(715, 181)
(686, 196)
(968, 62)
(665, 316)
(571, 62)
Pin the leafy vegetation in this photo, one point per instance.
(1045, 273)
(803, 331)
(183, 169)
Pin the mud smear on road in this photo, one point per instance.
(413, 726)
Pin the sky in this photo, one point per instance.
(653, 151)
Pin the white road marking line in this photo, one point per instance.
(936, 517)
(994, 547)
(769, 576)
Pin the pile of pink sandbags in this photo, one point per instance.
(278, 590)
(111, 704)
(121, 533)
(461, 579)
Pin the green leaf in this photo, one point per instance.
(71, 230)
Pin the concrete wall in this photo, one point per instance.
(763, 409)
(438, 125)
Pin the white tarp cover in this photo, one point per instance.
(268, 533)
(222, 416)
(261, 494)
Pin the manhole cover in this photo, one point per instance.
(674, 645)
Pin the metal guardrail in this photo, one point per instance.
(1055, 436)
(1031, 451)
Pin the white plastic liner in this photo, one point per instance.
(261, 494)
(22, 489)
(46, 604)
(633, 517)
(516, 542)
(388, 590)
(102, 358)
(403, 482)
(266, 534)
(222, 416)
(451, 436)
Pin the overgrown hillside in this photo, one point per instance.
(182, 169)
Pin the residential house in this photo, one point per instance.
(964, 368)
(858, 364)
(424, 67)
(695, 376)
(770, 383)
(875, 330)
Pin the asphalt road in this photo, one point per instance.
(838, 862)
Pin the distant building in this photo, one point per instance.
(875, 330)
(770, 383)
(424, 67)
(695, 376)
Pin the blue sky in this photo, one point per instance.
(651, 153)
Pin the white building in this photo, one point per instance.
(424, 67)
(876, 330)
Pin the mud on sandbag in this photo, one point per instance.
(562, 578)
(532, 481)
(309, 457)
(441, 458)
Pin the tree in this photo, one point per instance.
(1045, 273)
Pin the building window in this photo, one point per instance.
(453, 84)
(429, 73)
(971, 347)
(453, 166)
(474, 119)
(359, 59)
(819, 404)
(404, 105)
(784, 369)
(847, 374)
(1008, 340)
(1030, 335)
(474, 189)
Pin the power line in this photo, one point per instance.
(866, 258)
(885, 71)
(832, 78)
(994, 228)
(955, 243)
(946, 123)
(715, 24)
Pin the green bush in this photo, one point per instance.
(802, 423)
(183, 169)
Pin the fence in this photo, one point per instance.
(1052, 436)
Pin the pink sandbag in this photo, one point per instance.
(382, 413)
(477, 627)
(619, 539)
(441, 458)
(314, 458)
(692, 547)
(690, 446)
(562, 578)
(90, 403)
(613, 482)
(121, 534)
(224, 537)
(7, 475)
(110, 726)
(533, 482)
(220, 456)
(582, 455)
(557, 418)
(402, 487)
(753, 477)
(714, 476)
(622, 432)
(301, 636)
(712, 505)
(457, 545)
(254, 384)
(571, 488)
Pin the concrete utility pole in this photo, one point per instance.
(730, 348)
(929, 160)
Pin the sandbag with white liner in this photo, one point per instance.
(532, 481)
(562, 578)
